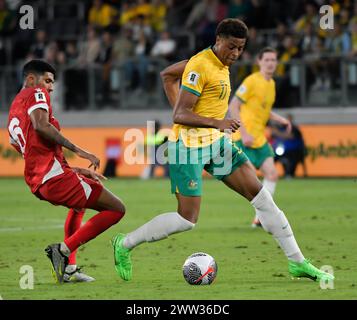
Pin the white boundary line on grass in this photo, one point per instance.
(19, 229)
(24, 219)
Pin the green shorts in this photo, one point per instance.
(219, 159)
(256, 155)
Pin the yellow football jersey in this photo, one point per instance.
(258, 97)
(206, 77)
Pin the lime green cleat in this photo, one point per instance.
(306, 270)
(122, 258)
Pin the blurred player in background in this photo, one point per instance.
(251, 105)
(199, 117)
(156, 147)
(289, 147)
(35, 133)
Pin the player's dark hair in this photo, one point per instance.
(39, 67)
(264, 50)
(232, 27)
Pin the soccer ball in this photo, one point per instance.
(199, 269)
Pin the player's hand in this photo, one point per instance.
(288, 126)
(95, 162)
(90, 174)
(94, 175)
(228, 124)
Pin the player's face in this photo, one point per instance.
(47, 81)
(229, 49)
(268, 62)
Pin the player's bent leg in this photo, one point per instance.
(111, 211)
(272, 218)
(274, 221)
(76, 191)
(244, 180)
(108, 201)
(188, 207)
(156, 229)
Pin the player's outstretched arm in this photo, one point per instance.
(39, 120)
(184, 115)
(171, 77)
(275, 117)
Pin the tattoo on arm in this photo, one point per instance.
(66, 143)
(50, 132)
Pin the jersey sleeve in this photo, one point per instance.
(38, 99)
(244, 91)
(194, 77)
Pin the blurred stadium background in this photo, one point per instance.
(109, 55)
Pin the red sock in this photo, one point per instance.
(92, 228)
(72, 224)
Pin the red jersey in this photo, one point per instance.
(43, 159)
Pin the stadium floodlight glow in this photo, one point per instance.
(280, 150)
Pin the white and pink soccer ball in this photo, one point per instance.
(200, 269)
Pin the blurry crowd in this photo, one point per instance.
(133, 33)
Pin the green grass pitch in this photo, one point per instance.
(322, 213)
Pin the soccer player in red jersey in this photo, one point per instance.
(35, 133)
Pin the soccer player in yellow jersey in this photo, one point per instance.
(252, 104)
(198, 142)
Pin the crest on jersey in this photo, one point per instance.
(193, 78)
(40, 96)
